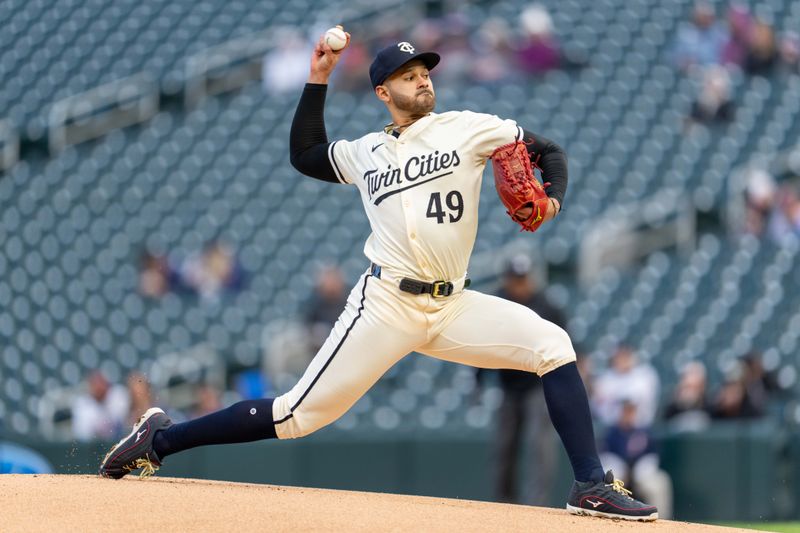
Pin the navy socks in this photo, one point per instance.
(568, 406)
(244, 421)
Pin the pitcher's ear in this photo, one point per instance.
(382, 93)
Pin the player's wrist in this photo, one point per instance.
(555, 206)
(318, 78)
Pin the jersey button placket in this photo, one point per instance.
(408, 213)
(407, 205)
(405, 198)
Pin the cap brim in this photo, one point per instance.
(429, 59)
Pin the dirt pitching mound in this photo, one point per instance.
(88, 503)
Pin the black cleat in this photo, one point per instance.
(136, 450)
(609, 499)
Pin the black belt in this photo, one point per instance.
(437, 289)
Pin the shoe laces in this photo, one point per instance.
(147, 466)
(618, 486)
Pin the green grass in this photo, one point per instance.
(781, 527)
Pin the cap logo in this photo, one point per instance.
(405, 47)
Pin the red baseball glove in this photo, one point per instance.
(517, 185)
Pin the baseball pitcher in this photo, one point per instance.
(419, 179)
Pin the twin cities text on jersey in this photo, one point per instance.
(417, 170)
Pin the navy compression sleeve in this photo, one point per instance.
(553, 162)
(308, 142)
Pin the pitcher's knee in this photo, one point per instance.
(555, 350)
(297, 422)
(294, 428)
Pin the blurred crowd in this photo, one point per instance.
(495, 53)
(713, 47)
(772, 206)
(105, 410)
(209, 273)
(735, 38)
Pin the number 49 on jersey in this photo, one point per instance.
(454, 202)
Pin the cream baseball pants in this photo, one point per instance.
(381, 324)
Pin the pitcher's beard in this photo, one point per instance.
(418, 105)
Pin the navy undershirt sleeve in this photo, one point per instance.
(552, 160)
(308, 142)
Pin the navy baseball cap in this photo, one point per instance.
(395, 56)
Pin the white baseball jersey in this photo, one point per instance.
(421, 190)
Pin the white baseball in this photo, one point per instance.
(335, 38)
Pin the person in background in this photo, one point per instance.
(759, 384)
(154, 275)
(731, 401)
(784, 221)
(213, 272)
(740, 24)
(586, 370)
(101, 412)
(762, 54)
(522, 420)
(760, 196)
(630, 451)
(539, 50)
(689, 406)
(284, 68)
(701, 41)
(789, 50)
(745, 392)
(714, 104)
(626, 379)
(326, 305)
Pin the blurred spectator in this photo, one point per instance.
(492, 65)
(758, 383)
(140, 396)
(688, 408)
(352, 72)
(700, 42)
(740, 23)
(539, 50)
(522, 417)
(760, 195)
(285, 69)
(785, 218)
(586, 370)
(630, 452)
(626, 379)
(154, 275)
(714, 103)
(326, 305)
(789, 50)
(207, 400)
(731, 401)
(213, 271)
(745, 391)
(762, 54)
(100, 412)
